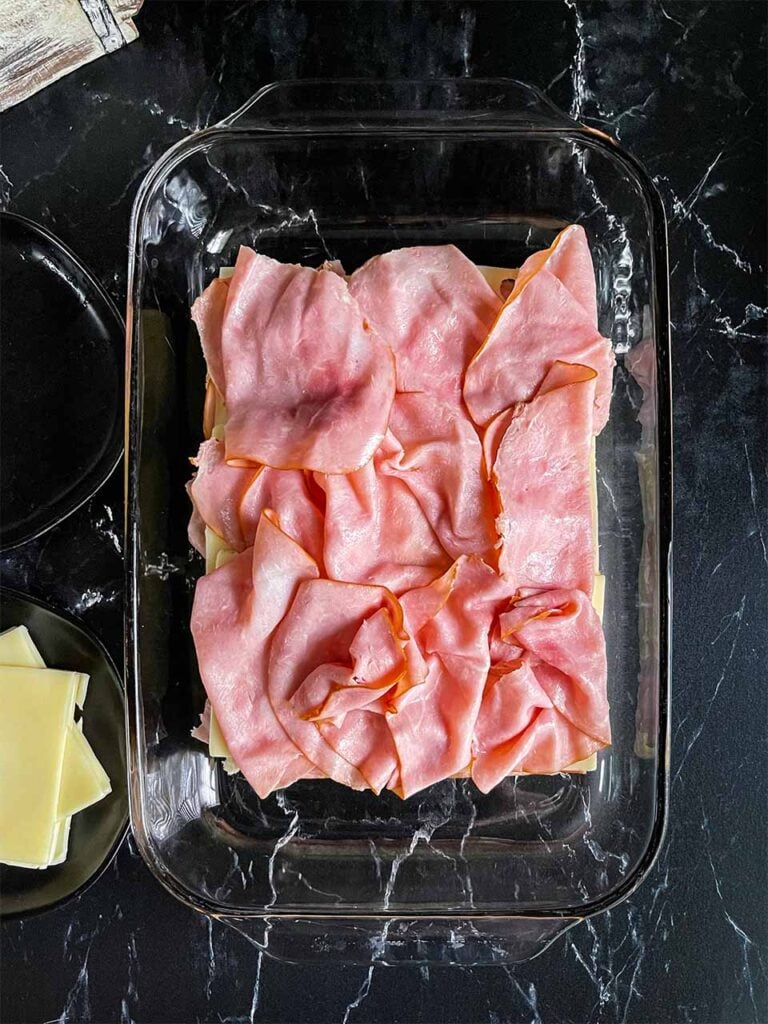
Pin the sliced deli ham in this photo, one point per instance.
(309, 659)
(307, 382)
(562, 631)
(440, 459)
(541, 471)
(231, 499)
(208, 315)
(544, 319)
(433, 723)
(236, 610)
(376, 532)
(518, 729)
(570, 261)
(433, 307)
(404, 462)
(217, 491)
(547, 709)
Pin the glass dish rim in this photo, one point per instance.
(452, 125)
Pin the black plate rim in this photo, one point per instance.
(72, 621)
(95, 478)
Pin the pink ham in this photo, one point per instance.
(440, 459)
(217, 492)
(546, 318)
(503, 651)
(562, 632)
(288, 493)
(235, 613)
(326, 471)
(382, 666)
(570, 261)
(309, 660)
(307, 382)
(519, 730)
(375, 530)
(433, 723)
(208, 314)
(231, 499)
(541, 472)
(196, 526)
(433, 307)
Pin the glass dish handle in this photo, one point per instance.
(468, 943)
(359, 104)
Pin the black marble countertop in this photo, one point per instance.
(683, 86)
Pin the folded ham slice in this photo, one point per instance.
(546, 709)
(570, 261)
(376, 532)
(310, 659)
(208, 314)
(231, 499)
(540, 454)
(440, 459)
(562, 632)
(235, 612)
(548, 316)
(307, 382)
(433, 307)
(380, 667)
(450, 620)
(518, 728)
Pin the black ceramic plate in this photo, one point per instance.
(61, 384)
(98, 830)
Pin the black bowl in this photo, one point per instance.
(98, 830)
(61, 388)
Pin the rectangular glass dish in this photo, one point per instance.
(343, 170)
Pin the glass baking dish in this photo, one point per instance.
(317, 170)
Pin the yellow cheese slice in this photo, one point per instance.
(215, 549)
(217, 745)
(587, 765)
(60, 842)
(598, 595)
(83, 781)
(17, 648)
(36, 707)
(495, 276)
(82, 689)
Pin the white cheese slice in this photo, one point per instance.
(36, 707)
(217, 745)
(17, 648)
(496, 276)
(84, 781)
(215, 548)
(60, 842)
